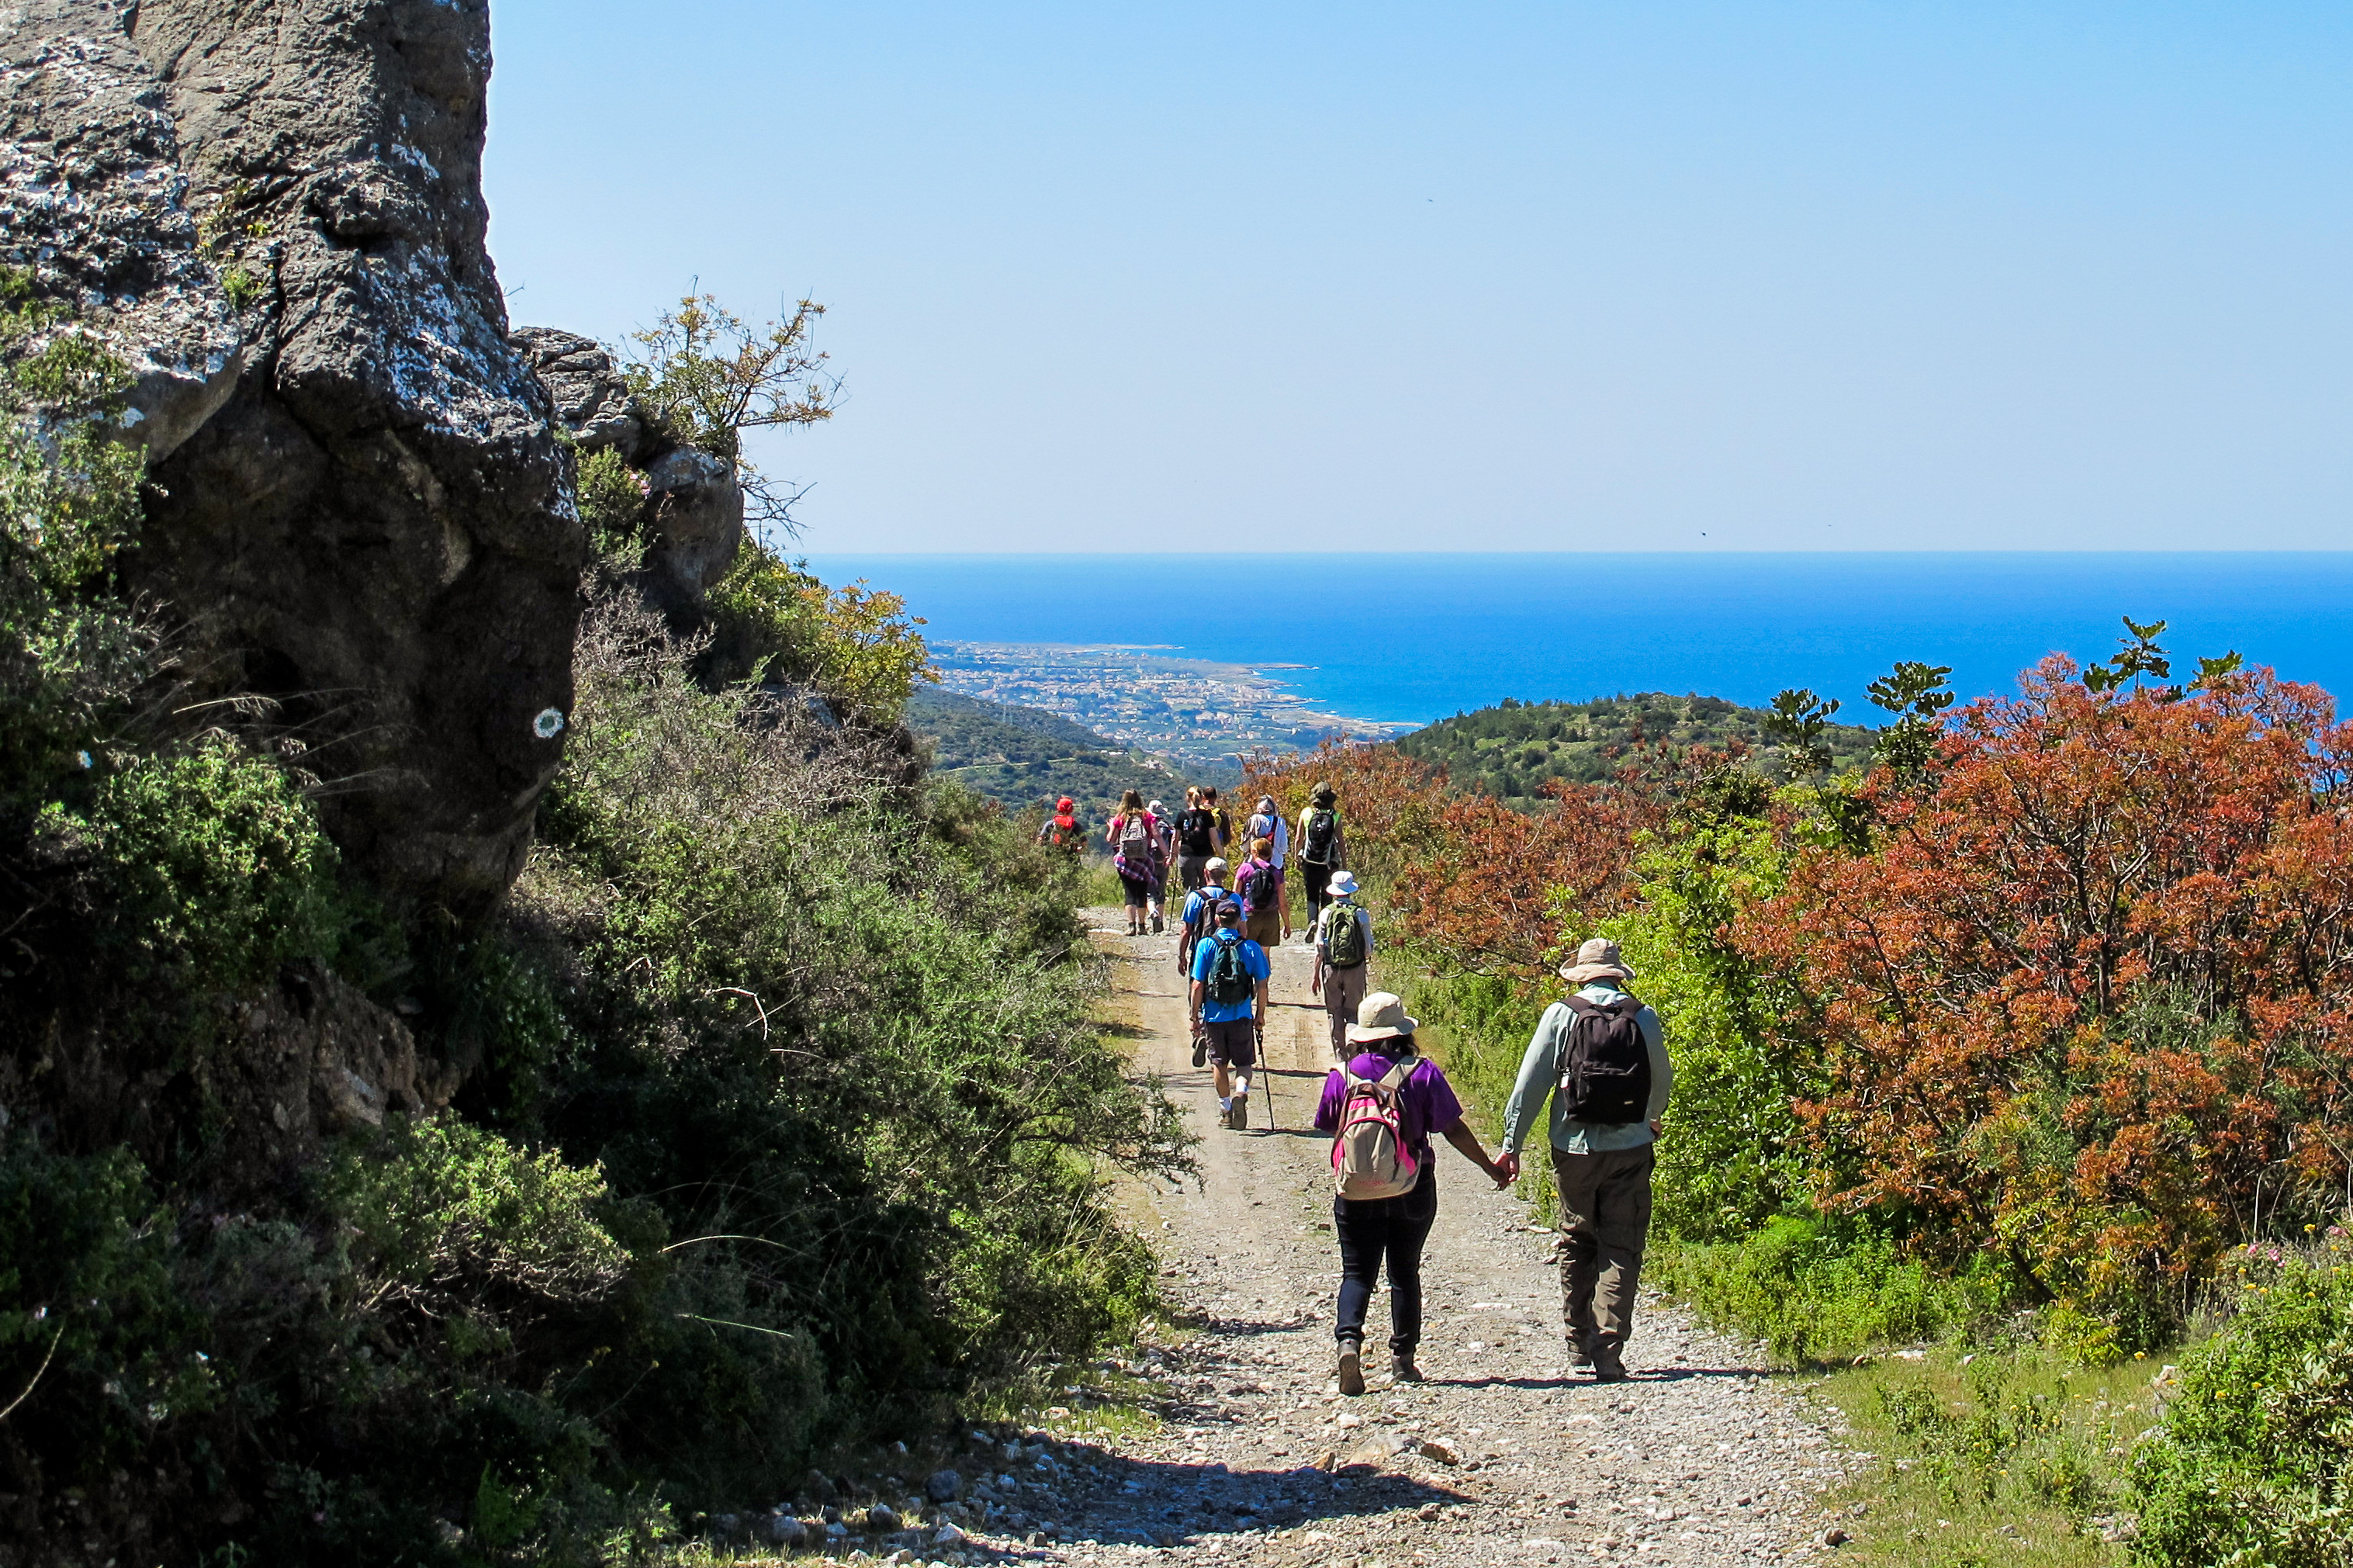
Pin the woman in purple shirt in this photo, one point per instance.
(1392, 1229)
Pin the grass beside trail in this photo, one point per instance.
(2007, 1456)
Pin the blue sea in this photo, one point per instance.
(1418, 637)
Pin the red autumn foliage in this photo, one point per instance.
(2088, 997)
(1474, 882)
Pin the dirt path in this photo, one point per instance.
(1500, 1457)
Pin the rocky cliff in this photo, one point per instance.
(272, 212)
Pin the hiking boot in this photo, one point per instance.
(1607, 1367)
(1240, 1122)
(1580, 1357)
(1200, 1050)
(1402, 1367)
(1156, 925)
(1352, 1369)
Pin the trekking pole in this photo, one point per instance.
(1266, 1079)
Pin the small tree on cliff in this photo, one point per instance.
(710, 375)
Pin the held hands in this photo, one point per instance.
(1505, 1170)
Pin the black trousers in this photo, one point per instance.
(1391, 1231)
(1313, 877)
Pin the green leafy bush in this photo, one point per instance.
(1813, 1288)
(206, 869)
(835, 1027)
(2253, 1463)
(1733, 1156)
(772, 621)
(452, 1220)
(612, 508)
(70, 651)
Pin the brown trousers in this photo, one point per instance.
(1605, 1218)
(1343, 991)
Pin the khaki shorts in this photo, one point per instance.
(1265, 930)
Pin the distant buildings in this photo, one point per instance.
(1190, 711)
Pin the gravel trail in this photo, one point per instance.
(1500, 1457)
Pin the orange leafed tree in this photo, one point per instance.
(1482, 887)
(2088, 998)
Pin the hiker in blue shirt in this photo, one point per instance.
(1229, 994)
(1200, 914)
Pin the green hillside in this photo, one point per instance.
(1509, 750)
(1025, 757)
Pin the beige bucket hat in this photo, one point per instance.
(1380, 1016)
(1598, 958)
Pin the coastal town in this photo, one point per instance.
(1191, 711)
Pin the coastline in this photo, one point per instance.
(1149, 697)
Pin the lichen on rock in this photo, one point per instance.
(273, 214)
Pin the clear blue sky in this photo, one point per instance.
(1541, 276)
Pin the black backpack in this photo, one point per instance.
(1196, 830)
(1260, 887)
(1323, 827)
(1230, 979)
(1605, 1064)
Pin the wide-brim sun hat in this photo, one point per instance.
(1596, 958)
(1380, 1016)
(1342, 885)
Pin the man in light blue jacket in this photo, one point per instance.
(1601, 1058)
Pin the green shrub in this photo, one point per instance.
(2253, 1463)
(70, 650)
(772, 621)
(205, 868)
(451, 1221)
(1733, 1156)
(612, 508)
(1812, 1289)
(836, 1029)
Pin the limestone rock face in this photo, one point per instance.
(93, 201)
(698, 519)
(368, 518)
(590, 396)
(694, 505)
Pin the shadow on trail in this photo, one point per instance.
(1584, 1381)
(1167, 1502)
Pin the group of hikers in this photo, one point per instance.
(1151, 848)
(1598, 1057)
